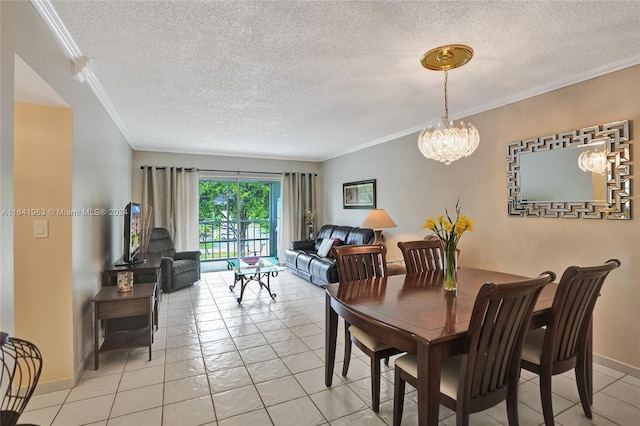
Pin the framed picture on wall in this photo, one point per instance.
(359, 195)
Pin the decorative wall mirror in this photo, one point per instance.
(583, 173)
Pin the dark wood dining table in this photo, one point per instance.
(415, 314)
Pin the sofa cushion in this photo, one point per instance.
(324, 232)
(359, 236)
(291, 257)
(324, 270)
(342, 232)
(303, 261)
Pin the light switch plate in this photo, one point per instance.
(40, 229)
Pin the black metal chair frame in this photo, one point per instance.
(21, 368)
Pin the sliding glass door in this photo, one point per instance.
(238, 218)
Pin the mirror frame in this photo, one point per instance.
(618, 175)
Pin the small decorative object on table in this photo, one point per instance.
(310, 218)
(125, 282)
(449, 232)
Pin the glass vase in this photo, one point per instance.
(125, 282)
(450, 268)
(451, 315)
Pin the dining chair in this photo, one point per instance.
(487, 370)
(564, 343)
(422, 255)
(356, 263)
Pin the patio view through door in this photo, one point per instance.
(238, 218)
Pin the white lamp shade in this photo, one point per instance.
(378, 218)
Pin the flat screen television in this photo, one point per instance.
(132, 234)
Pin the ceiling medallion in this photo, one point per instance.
(448, 142)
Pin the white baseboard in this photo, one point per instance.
(57, 385)
(65, 384)
(617, 365)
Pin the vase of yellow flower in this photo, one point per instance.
(449, 232)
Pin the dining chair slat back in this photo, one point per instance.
(488, 369)
(362, 263)
(422, 255)
(563, 344)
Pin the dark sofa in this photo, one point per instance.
(303, 260)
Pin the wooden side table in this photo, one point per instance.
(109, 304)
(149, 271)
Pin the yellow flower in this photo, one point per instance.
(429, 224)
(450, 233)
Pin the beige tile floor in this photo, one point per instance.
(216, 362)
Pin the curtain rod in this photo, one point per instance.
(220, 170)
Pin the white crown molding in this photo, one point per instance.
(553, 85)
(81, 66)
(525, 94)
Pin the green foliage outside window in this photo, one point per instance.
(219, 202)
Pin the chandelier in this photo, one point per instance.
(593, 162)
(448, 142)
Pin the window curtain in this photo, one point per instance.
(298, 197)
(171, 194)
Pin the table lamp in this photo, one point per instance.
(377, 219)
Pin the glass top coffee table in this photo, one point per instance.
(253, 269)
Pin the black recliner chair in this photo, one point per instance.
(179, 269)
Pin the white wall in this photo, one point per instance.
(101, 176)
(412, 188)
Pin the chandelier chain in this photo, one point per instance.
(446, 98)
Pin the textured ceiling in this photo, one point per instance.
(313, 80)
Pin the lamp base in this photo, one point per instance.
(378, 240)
(378, 237)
